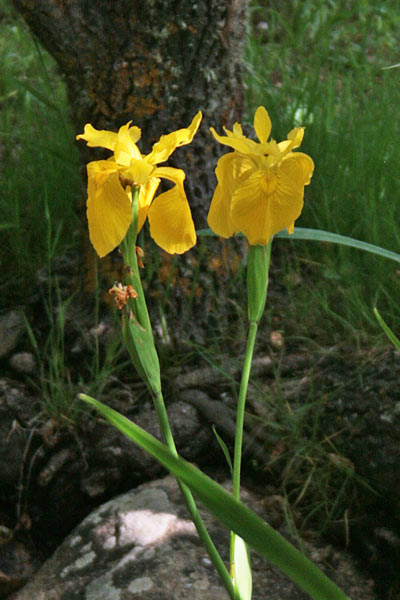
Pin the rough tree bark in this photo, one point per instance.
(155, 62)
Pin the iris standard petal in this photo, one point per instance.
(125, 148)
(237, 130)
(135, 133)
(109, 209)
(163, 149)
(229, 168)
(262, 124)
(98, 137)
(238, 143)
(170, 219)
(295, 137)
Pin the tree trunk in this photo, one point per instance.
(155, 62)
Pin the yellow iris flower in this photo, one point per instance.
(109, 201)
(260, 185)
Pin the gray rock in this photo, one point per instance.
(18, 563)
(17, 410)
(11, 328)
(23, 362)
(142, 545)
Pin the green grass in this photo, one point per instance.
(40, 181)
(318, 485)
(321, 65)
(40, 190)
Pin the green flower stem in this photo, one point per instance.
(257, 285)
(139, 307)
(128, 248)
(190, 503)
(237, 460)
(258, 262)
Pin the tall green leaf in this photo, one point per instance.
(231, 513)
(318, 235)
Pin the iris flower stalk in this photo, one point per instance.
(259, 192)
(121, 194)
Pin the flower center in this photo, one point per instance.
(269, 182)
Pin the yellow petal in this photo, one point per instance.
(174, 175)
(270, 148)
(109, 209)
(170, 219)
(267, 202)
(163, 149)
(250, 208)
(138, 171)
(295, 137)
(235, 141)
(125, 148)
(237, 130)
(219, 219)
(300, 165)
(99, 170)
(262, 124)
(146, 195)
(229, 168)
(135, 133)
(95, 137)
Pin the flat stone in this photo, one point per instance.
(143, 545)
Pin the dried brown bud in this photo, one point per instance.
(122, 294)
(139, 256)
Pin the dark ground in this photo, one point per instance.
(323, 425)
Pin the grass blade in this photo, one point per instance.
(318, 235)
(224, 449)
(392, 337)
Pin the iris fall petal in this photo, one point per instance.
(108, 204)
(171, 224)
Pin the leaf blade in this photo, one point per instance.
(231, 513)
